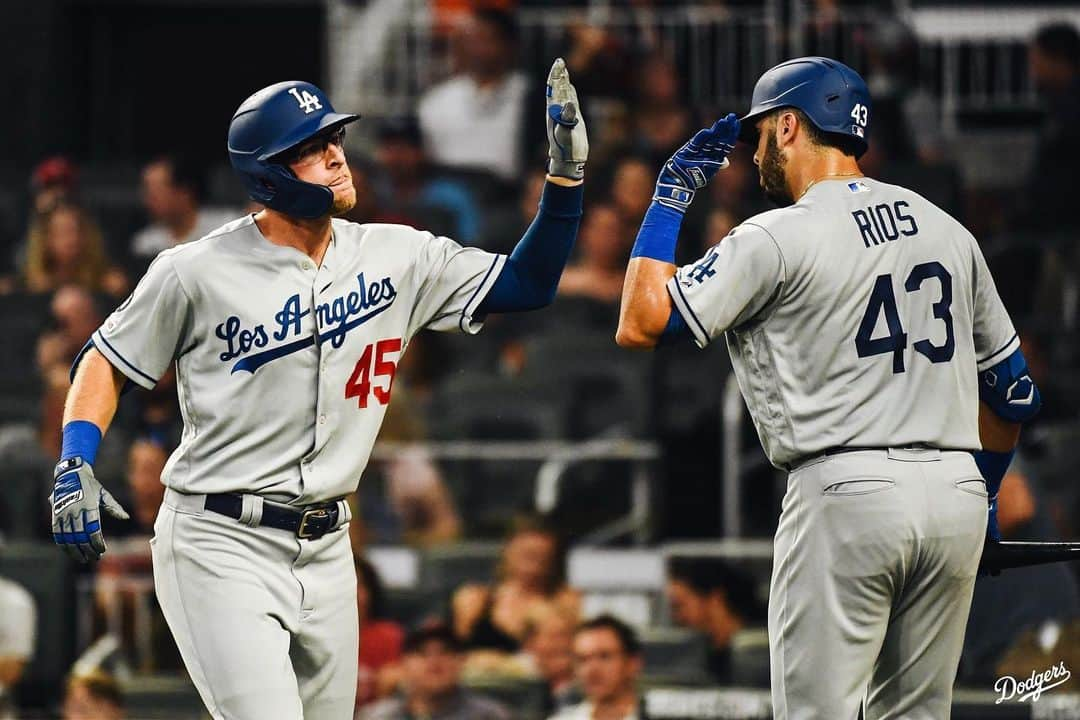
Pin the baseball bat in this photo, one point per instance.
(1023, 553)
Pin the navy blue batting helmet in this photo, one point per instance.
(833, 96)
(273, 120)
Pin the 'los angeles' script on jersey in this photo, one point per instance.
(333, 320)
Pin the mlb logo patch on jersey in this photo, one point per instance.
(858, 187)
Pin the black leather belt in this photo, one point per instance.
(308, 523)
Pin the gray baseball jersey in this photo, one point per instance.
(283, 368)
(855, 317)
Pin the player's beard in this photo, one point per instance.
(771, 170)
(343, 202)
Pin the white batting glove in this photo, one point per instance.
(568, 144)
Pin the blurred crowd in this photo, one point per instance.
(468, 163)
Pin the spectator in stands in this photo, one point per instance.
(603, 249)
(608, 663)
(172, 194)
(632, 189)
(914, 115)
(411, 188)
(411, 504)
(502, 225)
(18, 628)
(93, 696)
(549, 655)
(65, 246)
(144, 491)
(661, 118)
(736, 189)
(475, 119)
(530, 580)
(157, 412)
(716, 599)
(53, 181)
(76, 315)
(431, 683)
(1048, 201)
(28, 452)
(140, 626)
(597, 58)
(380, 637)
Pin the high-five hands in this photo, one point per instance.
(695, 163)
(568, 145)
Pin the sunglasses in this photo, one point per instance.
(313, 150)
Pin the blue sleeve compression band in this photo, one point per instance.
(675, 330)
(81, 439)
(1009, 390)
(659, 234)
(531, 274)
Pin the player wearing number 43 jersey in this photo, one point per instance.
(881, 370)
(286, 327)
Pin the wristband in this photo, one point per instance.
(81, 439)
(993, 466)
(659, 234)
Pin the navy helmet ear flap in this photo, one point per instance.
(270, 122)
(276, 187)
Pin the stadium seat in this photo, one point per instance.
(25, 316)
(750, 658)
(45, 571)
(675, 654)
(413, 606)
(605, 387)
(524, 697)
(447, 568)
(152, 697)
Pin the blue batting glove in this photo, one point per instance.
(77, 500)
(695, 163)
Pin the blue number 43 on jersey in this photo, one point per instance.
(883, 300)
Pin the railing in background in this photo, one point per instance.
(557, 457)
(383, 55)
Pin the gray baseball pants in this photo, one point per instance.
(266, 623)
(874, 565)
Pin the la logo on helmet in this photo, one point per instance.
(308, 102)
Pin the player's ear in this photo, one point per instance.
(786, 125)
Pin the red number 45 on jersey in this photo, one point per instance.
(359, 383)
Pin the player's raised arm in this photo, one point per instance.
(530, 276)
(646, 315)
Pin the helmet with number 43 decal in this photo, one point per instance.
(833, 96)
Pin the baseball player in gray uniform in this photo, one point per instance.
(286, 328)
(864, 329)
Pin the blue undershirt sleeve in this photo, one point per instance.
(675, 330)
(531, 274)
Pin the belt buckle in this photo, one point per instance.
(313, 516)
